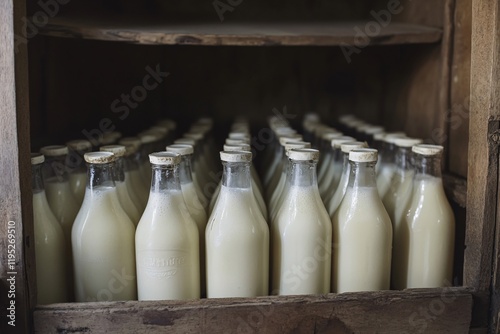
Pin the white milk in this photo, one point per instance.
(103, 249)
(77, 183)
(127, 203)
(167, 250)
(301, 244)
(50, 253)
(237, 246)
(362, 239)
(384, 179)
(62, 203)
(431, 229)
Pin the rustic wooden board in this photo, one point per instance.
(238, 34)
(428, 310)
(482, 200)
(15, 171)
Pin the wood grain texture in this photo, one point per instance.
(483, 156)
(15, 171)
(238, 34)
(448, 311)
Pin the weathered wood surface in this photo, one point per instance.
(238, 34)
(482, 200)
(15, 172)
(457, 117)
(427, 310)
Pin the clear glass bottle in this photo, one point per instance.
(362, 231)
(135, 183)
(103, 238)
(430, 222)
(336, 199)
(167, 241)
(76, 167)
(237, 235)
(327, 156)
(52, 263)
(301, 232)
(121, 183)
(387, 162)
(273, 158)
(149, 140)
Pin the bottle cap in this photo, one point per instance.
(363, 155)
(379, 136)
(331, 135)
(424, 149)
(391, 136)
(117, 150)
(407, 142)
(99, 157)
(296, 144)
(354, 123)
(205, 120)
(362, 127)
(322, 129)
(147, 138)
(110, 137)
(373, 129)
(54, 150)
(230, 141)
(346, 118)
(303, 154)
(182, 149)
(336, 142)
(131, 141)
(188, 141)
(349, 146)
(170, 124)
(284, 139)
(238, 135)
(163, 129)
(79, 145)
(311, 117)
(285, 131)
(237, 147)
(37, 158)
(165, 158)
(194, 135)
(236, 156)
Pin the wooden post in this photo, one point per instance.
(16, 227)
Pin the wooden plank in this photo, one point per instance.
(427, 310)
(15, 180)
(238, 34)
(456, 189)
(458, 113)
(483, 159)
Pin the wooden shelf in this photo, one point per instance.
(237, 34)
(381, 312)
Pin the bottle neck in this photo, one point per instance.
(55, 168)
(165, 178)
(37, 178)
(403, 158)
(236, 175)
(362, 174)
(119, 170)
(303, 173)
(101, 175)
(428, 165)
(185, 172)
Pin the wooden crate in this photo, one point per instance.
(422, 73)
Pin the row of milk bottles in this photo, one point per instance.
(284, 235)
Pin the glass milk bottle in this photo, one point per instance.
(237, 235)
(137, 187)
(337, 197)
(362, 231)
(59, 195)
(120, 183)
(166, 241)
(77, 167)
(387, 162)
(301, 233)
(103, 238)
(50, 244)
(430, 223)
(195, 207)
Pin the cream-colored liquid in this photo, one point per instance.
(237, 247)
(272, 206)
(332, 180)
(167, 250)
(339, 193)
(431, 235)
(77, 183)
(50, 253)
(103, 249)
(127, 203)
(301, 244)
(362, 240)
(324, 166)
(384, 179)
(62, 203)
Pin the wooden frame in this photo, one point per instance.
(383, 308)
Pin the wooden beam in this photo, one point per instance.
(426, 310)
(15, 181)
